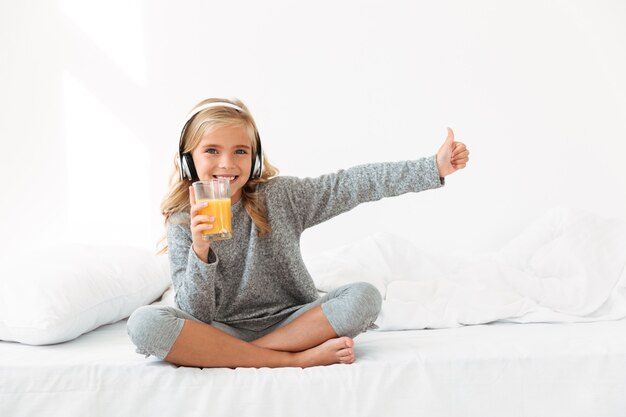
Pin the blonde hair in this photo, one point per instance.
(177, 199)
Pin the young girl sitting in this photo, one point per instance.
(249, 301)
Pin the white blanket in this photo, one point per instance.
(569, 266)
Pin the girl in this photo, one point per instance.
(249, 301)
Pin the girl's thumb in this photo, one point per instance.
(192, 196)
(450, 137)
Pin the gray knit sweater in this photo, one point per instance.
(253, 282)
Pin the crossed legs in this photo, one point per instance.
(318, 334)
(307, 341)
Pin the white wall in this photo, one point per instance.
(92, 96)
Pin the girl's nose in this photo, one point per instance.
(226, 161)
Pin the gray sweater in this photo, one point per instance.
(253, 282)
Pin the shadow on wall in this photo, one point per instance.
(108, 169)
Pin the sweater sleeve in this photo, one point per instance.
(194, 281)
(319, 199)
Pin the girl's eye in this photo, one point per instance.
(241, 151)
(211, 151)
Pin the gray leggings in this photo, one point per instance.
(350, 309)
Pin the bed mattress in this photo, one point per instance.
(498, 369)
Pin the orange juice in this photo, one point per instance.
(220, 209)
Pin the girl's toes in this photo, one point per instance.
(347, 359)
(346, 355)
(344, 352)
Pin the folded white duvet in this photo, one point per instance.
(569, 266)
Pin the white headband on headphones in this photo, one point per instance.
(212, 104)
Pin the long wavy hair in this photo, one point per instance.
(177, 198)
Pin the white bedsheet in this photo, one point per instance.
(500, 369)
(569, 266)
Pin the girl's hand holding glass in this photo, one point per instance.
(198, 224)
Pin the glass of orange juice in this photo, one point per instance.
(217, 194)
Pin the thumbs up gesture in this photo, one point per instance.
(451, 156)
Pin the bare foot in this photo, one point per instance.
(338, 350)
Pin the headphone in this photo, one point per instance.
(185, 161)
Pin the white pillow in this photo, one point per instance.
(57, 294)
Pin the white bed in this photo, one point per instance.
(537, 329)
(485, 370)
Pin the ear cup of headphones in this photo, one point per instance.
(257, 163)
(255, 172)
(188, 169)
